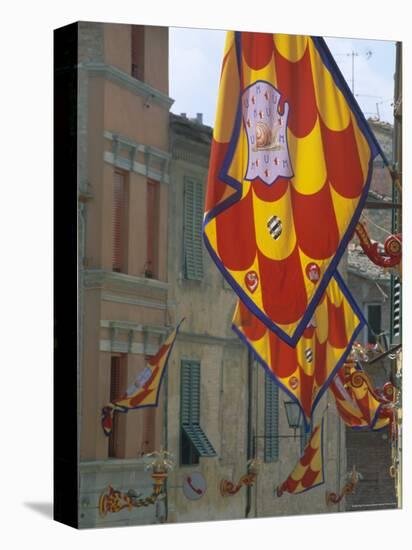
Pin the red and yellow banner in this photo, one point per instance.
(290, 168)
(145, 391)
(359, 404)
(308, 472)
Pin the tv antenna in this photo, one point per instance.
(353, 54)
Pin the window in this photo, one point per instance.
(137, 68)
(271, 419)
(193, 441)
(119, 223)
(152, 230)
(192, 229)
(374, 322)
(117, 389)
(149, 427)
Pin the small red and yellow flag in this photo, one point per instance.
(308, 472)
(360, 405)
(145, 392)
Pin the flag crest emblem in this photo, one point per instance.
(266, 131)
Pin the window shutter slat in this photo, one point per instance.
(271, 420)
(152, 244)
(118, 222)
(192, 229)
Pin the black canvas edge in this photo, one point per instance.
(65, 428)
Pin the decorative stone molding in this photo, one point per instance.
(195, 338)
(122, 336)
(194, 153)
(138, 87)
(123, 155)
(112, 465)
(130, 284)
(136, 327)
(133, 301)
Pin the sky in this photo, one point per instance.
(195, 57)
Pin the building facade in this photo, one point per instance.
(142, 268)
(123, 298)
(241, 410)
(372, 287)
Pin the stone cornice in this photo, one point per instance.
(136, 327)
(112, 465)
(190, 151)
(138, 87)
(130, 284)
(384, 278)
(196, 338)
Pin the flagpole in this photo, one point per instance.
(396, 328)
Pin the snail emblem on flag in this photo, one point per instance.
(266, 129)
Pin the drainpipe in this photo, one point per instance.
(165, 433)
(250, 449)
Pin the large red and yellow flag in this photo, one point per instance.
(145, 390)
(308, 472)
(290, 169)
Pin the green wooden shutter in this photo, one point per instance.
(185, 393)
(192, 229)
(271, 420)
(190, 392)
(190, 408)
(396, 309)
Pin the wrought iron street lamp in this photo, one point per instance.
(293, 415)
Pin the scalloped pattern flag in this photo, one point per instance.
(305, 371)
(290, 168)
(308, 472)
(357, 402)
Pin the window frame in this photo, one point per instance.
(115, 448)
(369, 337)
